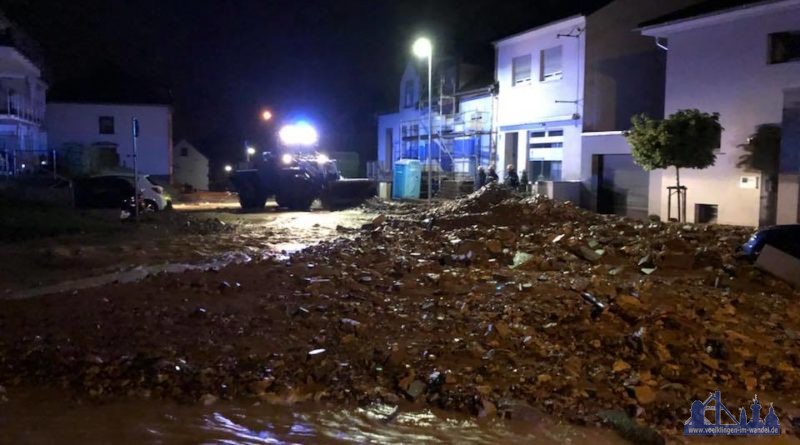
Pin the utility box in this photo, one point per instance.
(406, 179)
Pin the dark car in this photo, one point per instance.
(783, 237)
(102, 192)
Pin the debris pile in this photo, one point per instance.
(493, 304)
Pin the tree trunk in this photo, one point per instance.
(681, 216)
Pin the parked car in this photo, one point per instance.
(109, 191)
(784, 237)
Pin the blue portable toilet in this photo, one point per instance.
(406, 179)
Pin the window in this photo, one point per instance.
(106, 124)
(546, 139)
(545, 170)
(408, 94)
(521, 67)
(551, 64)
(184, 151)
(784, 47)
(705, 213)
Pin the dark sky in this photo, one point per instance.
(336, 62)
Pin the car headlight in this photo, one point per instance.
(287, 159)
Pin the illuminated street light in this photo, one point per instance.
(266, 115)
(424, 49)
(228, 168)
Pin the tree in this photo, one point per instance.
(685, 139)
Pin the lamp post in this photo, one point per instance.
(424, 49)
(250, 152)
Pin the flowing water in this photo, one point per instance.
(45, 418)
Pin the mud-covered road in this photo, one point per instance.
(491, 306)
(199, 235)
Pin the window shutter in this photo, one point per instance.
(521, 67)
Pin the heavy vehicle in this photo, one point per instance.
(297, 177)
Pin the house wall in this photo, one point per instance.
(79, 123)
(190, 169)
(624, 69)
(722, 67)
(531, 106)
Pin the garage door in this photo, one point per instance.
(622, 186)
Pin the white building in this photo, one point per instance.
(743, 63)
(567, 91)
(93, 124)
(540, 76)
(23, 140)
(189, 166)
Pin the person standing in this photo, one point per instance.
(481, 178)
(492, 176)
(512, 180)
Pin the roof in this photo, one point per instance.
(705, 9)
(539, 28)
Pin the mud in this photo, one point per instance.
(521, 309)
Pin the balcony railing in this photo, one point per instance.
(20, 107)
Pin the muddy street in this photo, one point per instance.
(491, 308)
(193, 236)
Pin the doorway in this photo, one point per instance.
(512, 144)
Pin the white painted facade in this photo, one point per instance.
(189, 166)
(542, 103)
(22, 111)
(719, 63)
(89, 124)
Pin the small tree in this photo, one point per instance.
(686, 139)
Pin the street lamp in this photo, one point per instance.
(250, 152)
(424, 49)
(266, 115)
(228, 168)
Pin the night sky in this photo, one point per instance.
(335, 62)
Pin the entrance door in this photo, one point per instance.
(512, 142)
(622, 186)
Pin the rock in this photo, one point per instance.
(416, 389)
(589, 254)
(620, 366)
(644, 394)
(208, 399)
(379, 220)
(494, 246)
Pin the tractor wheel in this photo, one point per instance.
(250, 198)
(298, 195)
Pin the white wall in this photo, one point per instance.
(531, 106)
(190, 169)
(78, 123)
(722, 67)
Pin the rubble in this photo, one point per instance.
(503, 302)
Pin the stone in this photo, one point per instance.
(644, 394)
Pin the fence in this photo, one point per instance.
(28, 162)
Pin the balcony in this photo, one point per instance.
(19, 108)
